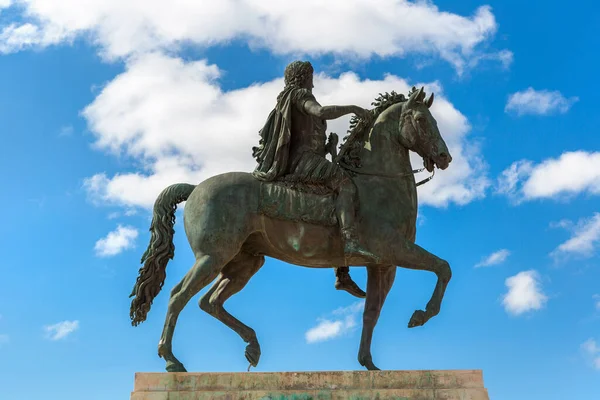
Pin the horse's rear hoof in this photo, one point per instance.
(252, 354)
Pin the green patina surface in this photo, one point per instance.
(359, 209)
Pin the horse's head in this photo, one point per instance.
(419, 131)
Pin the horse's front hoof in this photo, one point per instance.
(372, 367)
(418, 318)
(252, 353)
(368, 364)
(175, 367)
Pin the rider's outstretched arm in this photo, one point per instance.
(312, 107)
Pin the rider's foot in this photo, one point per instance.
(353, 249)
(345, 282)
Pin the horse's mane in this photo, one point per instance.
(359, 129)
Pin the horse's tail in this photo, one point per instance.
(160, 250)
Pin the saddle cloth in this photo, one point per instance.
(297, 202)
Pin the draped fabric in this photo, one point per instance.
(273, 152)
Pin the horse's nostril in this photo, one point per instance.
(444, 156)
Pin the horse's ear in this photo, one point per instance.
(421, 94)
(429, 101)
(416, 97)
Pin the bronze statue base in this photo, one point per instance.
(330, 385)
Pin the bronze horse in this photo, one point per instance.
(230, 236)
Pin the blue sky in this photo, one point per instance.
(104, 104)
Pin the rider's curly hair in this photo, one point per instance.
(297, 72)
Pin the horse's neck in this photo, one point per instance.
(382, 154)
(386, 184)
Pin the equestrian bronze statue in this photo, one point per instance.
(357, 209)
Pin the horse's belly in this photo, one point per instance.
(303, 244)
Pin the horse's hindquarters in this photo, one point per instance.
(221, 213)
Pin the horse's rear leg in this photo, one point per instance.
(205, 270)
(380, 279)
(413, 256)
(234, 276)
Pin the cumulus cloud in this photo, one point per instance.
(524, 293)
(354, 28)
(343, 320)
(173, 117)
(591, 350)
(61, 330)
(116, 241)
(584, 240)
(539, 102)
(571, 174)
(495, 258)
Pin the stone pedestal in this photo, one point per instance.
(345, 385)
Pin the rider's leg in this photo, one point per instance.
(346, 211)
(343, 281)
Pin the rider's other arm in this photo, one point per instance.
(312, 107)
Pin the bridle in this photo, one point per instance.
(428, 139)
(401, 175)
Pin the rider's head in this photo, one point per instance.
(299, 74)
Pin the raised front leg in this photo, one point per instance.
(413, 256)
(380, 279)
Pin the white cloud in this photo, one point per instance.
(353, 308)
(524, 293)
(173, 117)
(572, 173)
(596, 298)
(563, 223)
(344, 320)
(61, 330)
(5, 3)
(542, 102)
(510, 179)
(592, 352)
(585, 239)
(116, 214)
(116, 241)
(352, 29)
(66, 130)
(327, 329)
(505, 57)
(495, 258)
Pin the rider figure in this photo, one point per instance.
(293, 145)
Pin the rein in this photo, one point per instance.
(414, 171)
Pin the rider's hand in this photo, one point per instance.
(362, 113)
(333, 139)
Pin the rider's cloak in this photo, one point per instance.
(273, 152)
